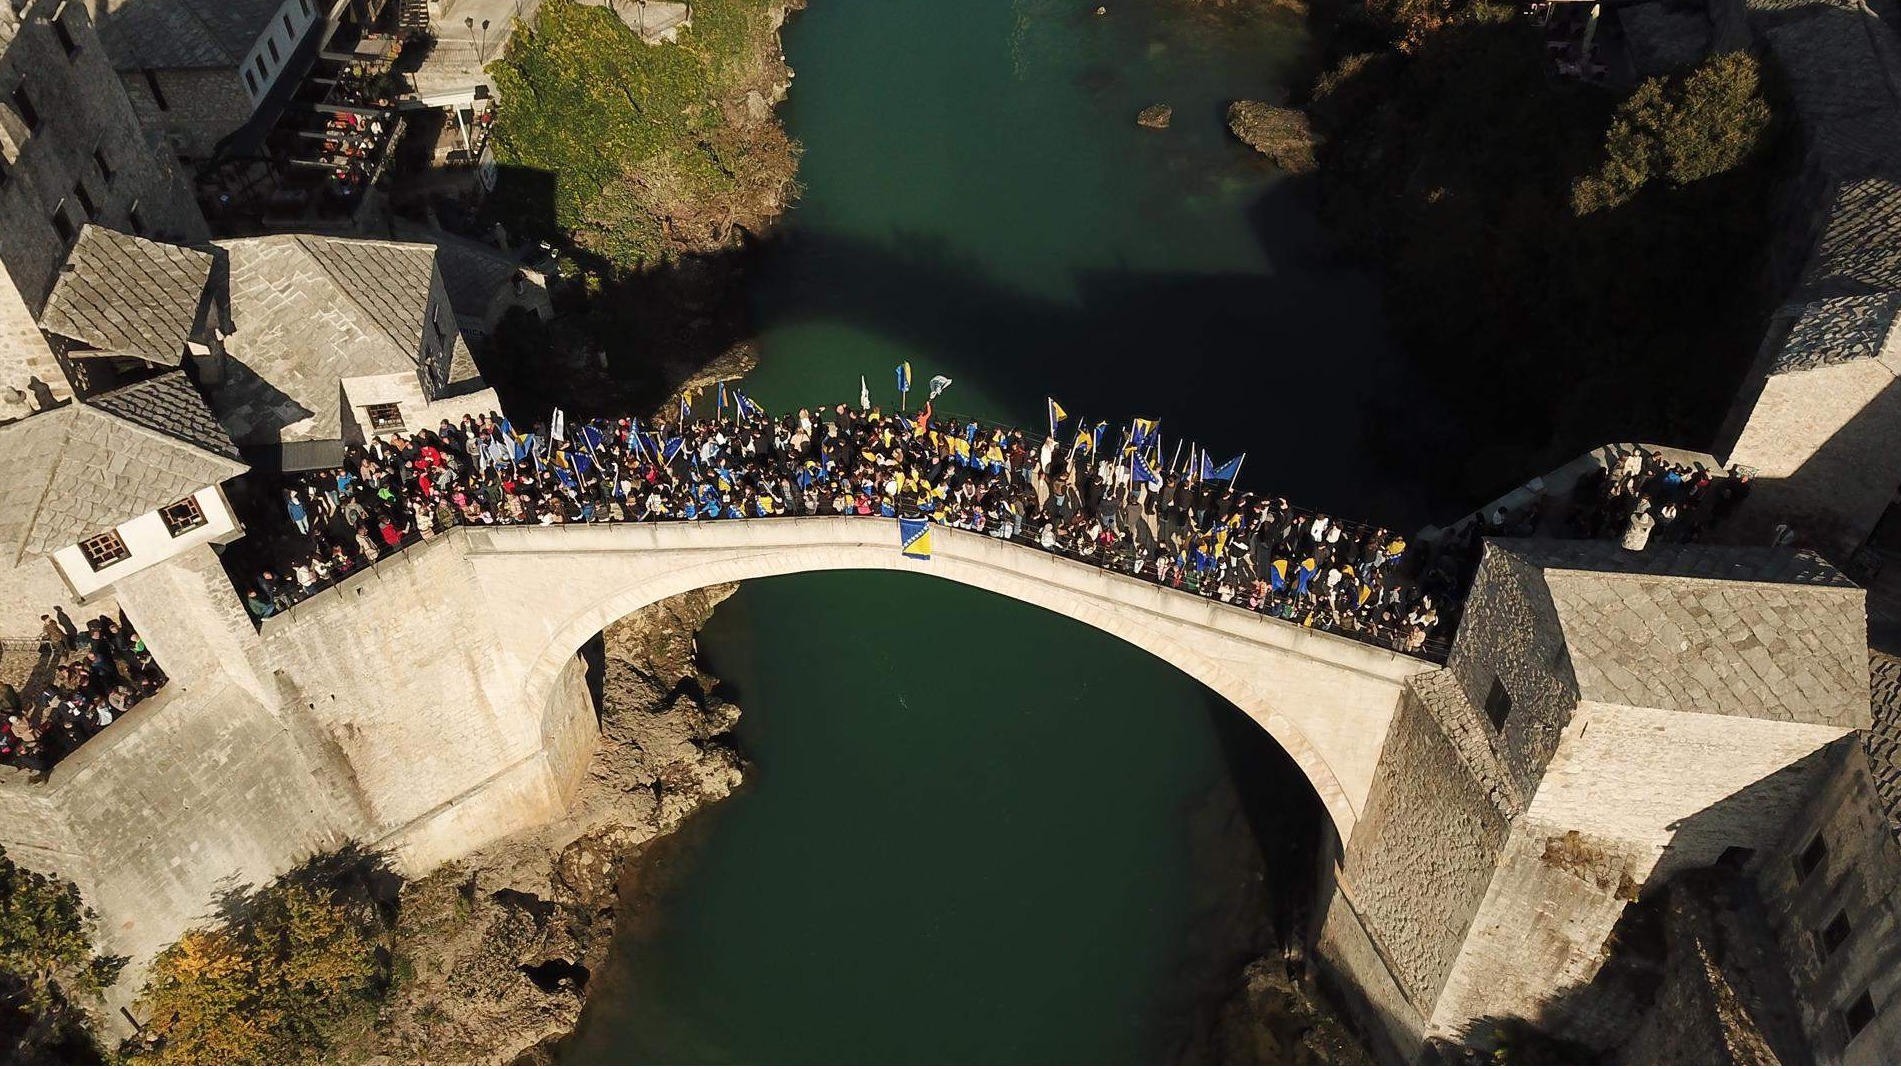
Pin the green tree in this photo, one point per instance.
(48, 970)
(1680, 129)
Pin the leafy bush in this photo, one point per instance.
(282, 972)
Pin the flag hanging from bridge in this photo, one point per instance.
(914, 538)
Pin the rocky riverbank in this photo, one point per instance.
(494, 952)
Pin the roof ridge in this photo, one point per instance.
(402, 346)
(1846, 584)
(211, 33)
(52, 472)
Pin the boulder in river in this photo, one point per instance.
(1155, 116)
(1283, 135)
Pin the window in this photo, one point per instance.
(23, 105)
(272, 45)
(384, 417)
(182, 516)
(1858, 1014)
(1498, 704)
(158, 94)
(1811, 857)
(290, 32)
(305, 4)
(4, 172)
(105, 166)
(250, 82)
(86, 203)
(103, 551)
(1833, 936)
(65, 38)
(262, 70)
(62, 225)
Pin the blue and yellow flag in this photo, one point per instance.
(1057, 415)
(1140, 431)
(914, 538)
(904, 377)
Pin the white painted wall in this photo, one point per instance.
(149, 543)
(302, 14)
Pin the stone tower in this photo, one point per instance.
(1606, 720)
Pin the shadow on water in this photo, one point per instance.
(1290, 365)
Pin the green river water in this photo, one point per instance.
(974, 831)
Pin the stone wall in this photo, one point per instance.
(1509, 632)
(81, 109)
(1859, 879)
(1418, 869)
(192, 109)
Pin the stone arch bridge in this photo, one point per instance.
(436, 703)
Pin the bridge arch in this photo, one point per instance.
(579, 580)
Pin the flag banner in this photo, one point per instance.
(1140, 431)
(1057, 415)
(1140, 471)
(904, 377)
(914, 538)
(939, 383)
(1095, 436)
(686, 410)
(1226, 472)
(722, 397)
(674, 446)
(558, 427)
(864, 394)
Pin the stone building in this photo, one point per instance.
(299, 342)
(198, 71)
(1832, 885)
(96, 491)
(71, 152)
(1607, 722)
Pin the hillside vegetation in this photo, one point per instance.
(634, 150)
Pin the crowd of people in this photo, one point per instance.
(1636, 498)
(1111, 503)
(95, 677)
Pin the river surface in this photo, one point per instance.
(975, 831)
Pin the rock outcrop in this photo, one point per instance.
(495, 951)
(1155, 116)
(1283, 135)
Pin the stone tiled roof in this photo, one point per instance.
(309, 311)
(1839, 330)
(169, 34)
(1857, 252)
(78, 471)
(1883, 737)
(1831, 62)
(170, 404)
(1771, 633)
(1663, 36)
(127, 296)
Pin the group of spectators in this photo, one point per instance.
(1077, 496)
(96, 677)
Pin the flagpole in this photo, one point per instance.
(1178, 455)
(1237, 469)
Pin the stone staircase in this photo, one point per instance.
(413, 20)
